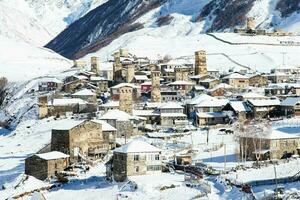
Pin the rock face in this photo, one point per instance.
(287, 7)
(225, 14)
(101, 26)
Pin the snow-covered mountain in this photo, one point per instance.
(26, 26)
(113, 19)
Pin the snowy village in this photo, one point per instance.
(188, 122)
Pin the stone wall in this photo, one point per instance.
(37, 167)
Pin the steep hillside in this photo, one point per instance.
(101, 26)
(109, 21)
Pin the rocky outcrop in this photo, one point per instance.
(101, 26)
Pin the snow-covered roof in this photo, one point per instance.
(211, 114)
(116, 115)
(181, 83)
(213, 103)
(81, 77)
(111, 104)
(280, 133)
(235, 76)
(53, 155)
(239, 106)
(223, 86)
(105, 126)
(50, 79)
(172, 115)
(64, 102)
(147, 83)
(199, 99)
(97, 78)
(125, 84)
(199, 87)
(253, 95)
(68, 124)
(264, 102)
(171, 105)
(208, 80)
(144, 113)
(137, 146)
(84, 92)
(290, 101)
(141, 77)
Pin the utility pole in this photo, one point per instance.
(225, 158)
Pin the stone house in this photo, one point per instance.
(220, 90)
(71, 85)
(101, 83)
(211, 118)
(135, 158)
(73, 105)
(79, 139)
(275, 145)
(111, 105)
(86, 95)
(50, 84)
(115, 91)
(172, 115)
(139, 79)
(236, 80)
(211, 105)
(279, 77)
(46, 165)
(209, 83)
(257, 80)
(264, 108)
(291, 106)
(239, 109)
(183, 87)
(275, 90)
(121, 120)
(109, 133)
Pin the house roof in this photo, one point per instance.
(253, 95)
(239, 106)
(222, 86)
(111, 104)
(170, 105)
(97, 78)
(64, 102)
(116, 115)
(264, 102)
(141, 77)
(172, 115)
(50, 79)
(290, 101)
(137, 146)
(53, 155)
(235, 76)
(213, 103)
(68, 124)
(211, 114)
(181, 83)
(84, 92)
(125, 84)
(279, 133)
(199, 99)
(105, 126)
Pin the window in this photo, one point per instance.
(153, 168)
(157, 157)
(136, 157)
(137, 169)
(55, 165)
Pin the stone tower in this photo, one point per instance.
(200, 63)
(250, 23)
(155, 93)
(130, 73)
(117, 67)
(126, 99)
(95, 65)
(124, 53)
(181, 74)
(43, 106)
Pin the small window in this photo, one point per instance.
(137, 169)
(157, 157)
(136, 158)
(55, 165)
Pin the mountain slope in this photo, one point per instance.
(101, 26)
(109, 21)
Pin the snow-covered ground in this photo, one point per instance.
(183, 37)
(20, 61)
